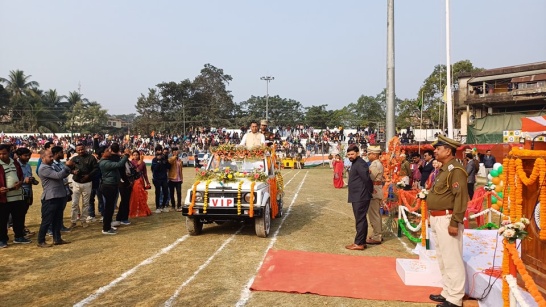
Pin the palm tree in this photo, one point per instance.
(18, 84)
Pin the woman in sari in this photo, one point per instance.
(430, 181)
(338, 172)
(138, 205)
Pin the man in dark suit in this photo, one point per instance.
(360, 194)
(427, 168)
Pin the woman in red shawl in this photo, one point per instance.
(338, 172)
(138, 205)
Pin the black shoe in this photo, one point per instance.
(447, 304)
(437, 298)
(61, 242)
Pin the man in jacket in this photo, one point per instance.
(160, 167)
(175, 179)
(11, 198)
(427, 168)
(360, 194)
(109, 169)
(85, 169)
(53, 198)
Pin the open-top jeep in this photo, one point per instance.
(238, 184)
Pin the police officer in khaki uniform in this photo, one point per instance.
(374, 214)
(268, 136)
(446, 201)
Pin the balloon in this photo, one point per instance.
(499, 188)
(494, 173)
(500, 194)
(494, 200)
(500, 169)
(496, 180)
(489, 177)
(502, 183)
(495, 206)
(475, 149)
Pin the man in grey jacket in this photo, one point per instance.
(53, 198)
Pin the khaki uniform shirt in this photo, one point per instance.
(376, 173)
(450, 193)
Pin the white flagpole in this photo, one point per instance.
(449, 105)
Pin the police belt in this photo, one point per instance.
(439, 212)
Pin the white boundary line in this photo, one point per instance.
(245, 293)
(128, 273)
(292, 178)
(172, 299)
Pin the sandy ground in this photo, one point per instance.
(154, 262)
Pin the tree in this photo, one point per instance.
(317, 116)
(433, 88)
(149, 110)
(210, 98)
(18, 84)
(282, 111)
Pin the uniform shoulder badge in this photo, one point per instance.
(450, 167)
(455, 185)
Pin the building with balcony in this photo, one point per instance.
(116, 123)
(492, 102)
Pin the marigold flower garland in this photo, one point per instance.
(522, 270)
(542, 213)
(424, 222)
(251, 202)
(404, 195)
(239, 187)
(273, 197)
(505, 271)
(206, 196)
(190, 209)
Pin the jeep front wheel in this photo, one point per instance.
(194, 226)
(263, 224)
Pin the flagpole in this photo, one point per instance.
(421, 124)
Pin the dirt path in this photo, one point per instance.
(154, 262)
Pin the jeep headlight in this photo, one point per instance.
(246, 198)
(198, 197)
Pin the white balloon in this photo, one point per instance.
(496, 165)
(489, 177)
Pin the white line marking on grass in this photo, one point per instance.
(245, 293)
(123, 276)
(292, 178)
(171, 300)
(336, 211)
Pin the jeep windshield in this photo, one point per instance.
(218, 163)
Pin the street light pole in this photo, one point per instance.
(267, 79)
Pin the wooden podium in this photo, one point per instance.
(533, 250)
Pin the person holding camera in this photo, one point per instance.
(54, 197)
(23, 155)
(160, 168)
(86, 167)
(175, 179)
(110, 165)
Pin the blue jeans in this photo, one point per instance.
(96, 192)
(161, 189)
(52, 214)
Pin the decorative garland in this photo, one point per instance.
(239, 187)
(273, 197)
(522, 270)
(513, 284)
(542, 198)
(424, 221)
(408, 224)
(404, 195)
(505, 271)
(251, 202)
(406, 232)
(190, 209)
(488, 226)
(206, 196)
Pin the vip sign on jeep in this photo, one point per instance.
(238, 184)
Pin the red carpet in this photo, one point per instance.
(371, 278)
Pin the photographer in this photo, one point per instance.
(28, 181)
(160, 168)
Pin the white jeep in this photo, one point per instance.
(236, 185)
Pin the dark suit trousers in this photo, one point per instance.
(52, 215)
(360, 209)
(17, 211)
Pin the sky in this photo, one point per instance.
(319, 52)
